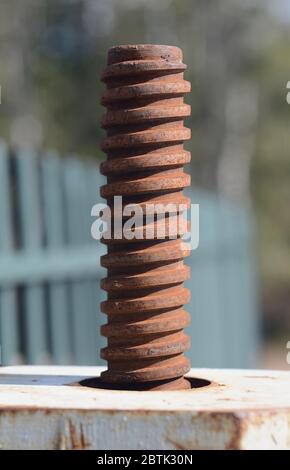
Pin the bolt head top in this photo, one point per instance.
(129, 52)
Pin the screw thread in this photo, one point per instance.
(145, 158)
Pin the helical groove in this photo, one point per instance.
(144, 144)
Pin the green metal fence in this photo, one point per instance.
(50, 271)
(224, 302)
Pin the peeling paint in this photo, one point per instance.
(55, 415)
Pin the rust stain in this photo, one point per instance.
(145, 159)
(77, 439)
(224, 430)
(179, 445)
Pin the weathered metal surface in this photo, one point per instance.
(144, 146)
(46, 408)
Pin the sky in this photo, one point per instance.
(281, 8)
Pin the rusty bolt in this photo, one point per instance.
(145, 159)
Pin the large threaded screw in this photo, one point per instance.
(145, 158)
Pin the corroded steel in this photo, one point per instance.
(145, 158)
(56, 407)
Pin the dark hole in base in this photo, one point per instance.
(96, 382)
(198, 383)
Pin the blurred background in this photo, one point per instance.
(52, 53)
